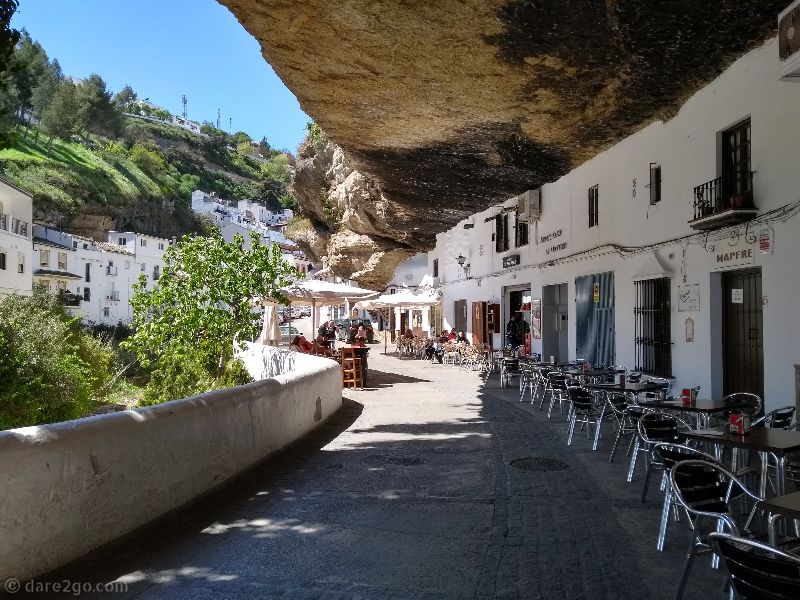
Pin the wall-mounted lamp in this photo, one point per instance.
(461, 260)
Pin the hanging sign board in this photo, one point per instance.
(737, 296)
(733, 256)
(765, 241)
(596, 292)
(689, 297)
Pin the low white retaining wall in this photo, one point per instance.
(70, 487)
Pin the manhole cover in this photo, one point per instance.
(539, 464)
(405, 461)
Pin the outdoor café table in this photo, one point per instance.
(776, 442)
(702, 408)
(592, 375)
(626, 388)
(787, 506)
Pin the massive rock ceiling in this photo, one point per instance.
(449, 106)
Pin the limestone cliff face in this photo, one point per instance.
(450, 106)
(347, 222)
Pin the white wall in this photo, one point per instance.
(686, 149)
(73, 486)
(17, 247)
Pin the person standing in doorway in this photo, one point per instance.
(511, 333)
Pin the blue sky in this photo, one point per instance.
(167, 48)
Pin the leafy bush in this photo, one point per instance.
(235, 374)
(178, 375)
(50, 369)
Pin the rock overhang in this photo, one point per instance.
(452, 106)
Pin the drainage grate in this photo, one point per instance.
(537, 463)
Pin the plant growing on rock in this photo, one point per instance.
(186, 324)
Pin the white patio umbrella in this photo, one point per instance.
(312, 292)
(404, 299)
(270, 331)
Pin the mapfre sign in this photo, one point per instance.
(733, 256)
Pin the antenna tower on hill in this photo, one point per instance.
(184, 101)
(217, 118)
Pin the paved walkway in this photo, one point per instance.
(409, 493)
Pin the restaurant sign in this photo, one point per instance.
(510, 261)
(553, 242)
(733, 256)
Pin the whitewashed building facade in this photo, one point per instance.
(674, 252)
(16, 224)
(96, 278)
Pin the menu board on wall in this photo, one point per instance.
(689, 297)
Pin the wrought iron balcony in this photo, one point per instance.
(726, 200)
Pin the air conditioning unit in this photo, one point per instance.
(529, 205)
(789, 42)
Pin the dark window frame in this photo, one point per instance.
(594, 206)
(87, 294)
(501, 232)
(655, 183)
(522, 233)
(2, 261)
(435, 267)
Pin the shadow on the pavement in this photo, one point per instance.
(383, 379)
(167, 534)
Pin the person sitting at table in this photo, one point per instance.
(361, 335)
(321, 349)
(301, 344)
(462, 339)
(443, 337)
(409, 335)
(430, 348)
(452, 336)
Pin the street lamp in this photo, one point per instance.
(461, 260)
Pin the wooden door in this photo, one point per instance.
(480, 335)
(743, 332)
(460, 315)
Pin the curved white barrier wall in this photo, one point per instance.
(70, 487)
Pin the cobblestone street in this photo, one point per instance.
(409, 492)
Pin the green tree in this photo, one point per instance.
(240, 137)
(45, 91)
(62, 118)
(99, 113)
(203, 301)
(148, 158)
(125, 98)
(8, 40)
(28, 64)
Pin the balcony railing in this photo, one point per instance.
(111, 271)
(724, 200)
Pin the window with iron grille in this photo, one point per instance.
(521, 233)
(652, 333)
(594, 202)
(501, 232)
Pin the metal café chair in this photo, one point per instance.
(559, 391)
(542, 381)
(704, 490)
(586, 411)
(626, 413)
(757, 570)
(664, 456)
(653, 427)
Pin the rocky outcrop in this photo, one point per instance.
(347, 223)
(450, 106)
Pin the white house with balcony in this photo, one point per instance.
(674, 252)
(94, 278)
(16, 250)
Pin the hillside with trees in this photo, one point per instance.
(94, 160)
